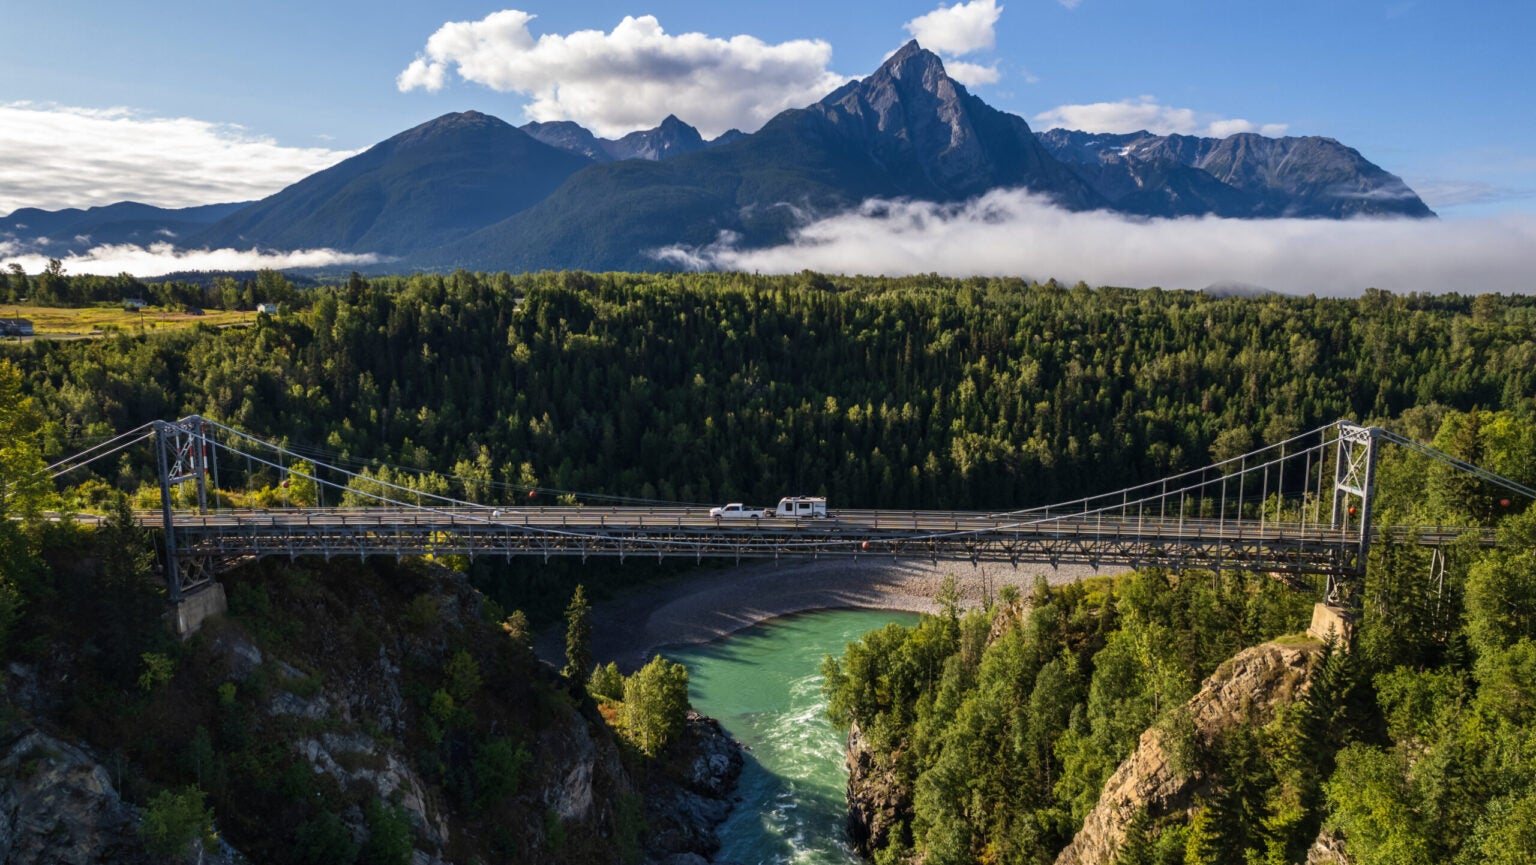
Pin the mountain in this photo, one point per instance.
(1243, 175)
(671, 138)
(571, 136)
(469, 190)
(909, 130)
(729, 136)
(937, 141)
(63, 232)
(426, 186)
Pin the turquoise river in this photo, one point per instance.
(764, 686)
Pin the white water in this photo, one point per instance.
(764, 687)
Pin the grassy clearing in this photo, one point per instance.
(92, 320)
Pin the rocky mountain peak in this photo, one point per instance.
(922, 126)
(1243, 175)
(569, 135)
(911, 52)
(910, 88)
(670, 138)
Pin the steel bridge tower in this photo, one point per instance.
(182, 454)
(1354, 491)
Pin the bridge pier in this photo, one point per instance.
(188, 614)
(1331, 619)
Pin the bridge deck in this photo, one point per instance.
(1035, 537)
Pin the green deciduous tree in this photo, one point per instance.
(461, 678)
(174, 820)
(655, 704)
(23, 483)
(607, 683)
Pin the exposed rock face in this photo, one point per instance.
(876, 796)
(58, 805)
(672, 138)
(334, 700)
(569, 135)
(937, 140)
(683, 814)
(1247, 689)
(358, 759)
(1241, 176)
(573, 767)
(1328, 849)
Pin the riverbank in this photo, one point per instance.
(628, 629)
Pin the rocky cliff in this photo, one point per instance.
(333, 715)
(59, 806)
(878, 800)
(1247, 689)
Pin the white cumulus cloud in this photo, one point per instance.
(159, 259)
(1013, 232)
(631, 77)
(57, 156)
(972, 74)
(1145, 112)
(959, 29)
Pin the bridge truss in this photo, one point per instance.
(1302, 506)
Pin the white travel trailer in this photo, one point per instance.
(808, 507)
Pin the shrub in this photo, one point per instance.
(499, 769)
(157, 670)
(174, 819)
(607, 683)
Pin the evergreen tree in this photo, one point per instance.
(1138, 848)
(578, 638)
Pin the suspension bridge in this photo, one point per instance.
(1302, 506)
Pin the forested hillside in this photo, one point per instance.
(930, 392)
(990, 737)
(982, 393)
(917, 392)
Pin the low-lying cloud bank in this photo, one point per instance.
(1012, 232)
(159, 259)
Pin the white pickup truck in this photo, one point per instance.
(736, 511)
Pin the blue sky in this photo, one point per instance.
(178, 103)
(1438, 92)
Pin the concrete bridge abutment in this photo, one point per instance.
(188, 614)
(1329, 619)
